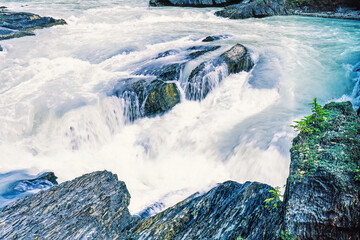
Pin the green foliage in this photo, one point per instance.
(272, 202)
(240, 238)
(314, 123)
(286, 235)
(357, 175)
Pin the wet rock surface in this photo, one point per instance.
(256, 8)
(321, 200)
(193, 3)
(208, 75)
(229, 211)
(93, 206)
(20, 24)
(323, 190)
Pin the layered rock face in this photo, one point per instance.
(193, 3)
(322, 199)
(19, 24)
(256, 8)
(93, 206)
(229, 211)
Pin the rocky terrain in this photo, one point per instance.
(321, 200)
(240, 9)
(20, 24)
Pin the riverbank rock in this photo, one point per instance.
(322, 198)
(255, 8)
(229, 211)
(93, 206)
(20, 24)
(209, 74)
(192, 3)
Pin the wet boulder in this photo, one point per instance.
(147, 97)
(19, 24)
(193, 3)
(256, 9)
(209, 74)
(215, 38)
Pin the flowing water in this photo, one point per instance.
(56, 113)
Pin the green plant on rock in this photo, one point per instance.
(314, 123)
(357, 175)
(286, 235)
(272, 202)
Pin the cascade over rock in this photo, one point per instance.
(321, 200)
(208, 75)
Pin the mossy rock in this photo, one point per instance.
(162, 97)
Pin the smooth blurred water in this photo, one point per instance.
(55, 112)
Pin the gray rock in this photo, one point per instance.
(208, 75)
(1, 49)
(228, 211)
(19, 24)
(215, 38)
(256, 8)
(322, 192)
(93, 206)
(193, 3)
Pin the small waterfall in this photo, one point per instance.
(204, 79)
(132, 108)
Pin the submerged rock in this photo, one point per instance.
(215, 38)
(193, 3)
(19, 24)
(229, 211)
(208, 75)
(256, 8)
(93, 206)
(322, 198)
(1, 49)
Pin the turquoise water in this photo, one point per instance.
(60, 79)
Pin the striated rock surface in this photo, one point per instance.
(256, 8)
(208, 75)
(322, 198)
(193, 3)
(93, 206)
(20, 24)
(229, 211)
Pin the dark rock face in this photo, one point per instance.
(1, 49)
(208, 75)
(325, 5)
(93, 206)
(18, 24)
(323, 190)
(215, 38)
(255, 8)
(228, 211)
(193, 3)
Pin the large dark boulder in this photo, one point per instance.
(209, 74)
(322, 198)
(19, 24)
(256, 8)
(228, 211)
(193, 3)
(93, 206)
